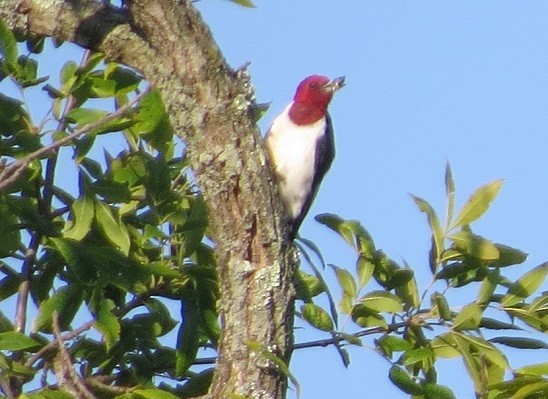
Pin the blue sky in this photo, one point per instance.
(427, 82)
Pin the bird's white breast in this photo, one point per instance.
(293, 150)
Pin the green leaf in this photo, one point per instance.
(364, 268)
(479, 345)
(433, 221)
(14, 341)
(389, 344)
(445, 346)
(188, 338)
(336, 223)
(409, 294)
(78, 257)
(351, 231)
(417, 355)
(307, 286)
(435, 391)
(508, 256)
(488, 287)
(440, 304)
(9, 229)
(84, 116)
(8, 46)
(534, 369)
(365, 317)
(468, 318)
(520, 343)
(450, 193)
(155, 394)
(83, 211)
(478, 203)
(317, 317)
(107, 323)
(125, 79)
(494, 324)
(404, 381)
(13, 119)
(113, 229)
(525, 286)
(66, 301)
(475, 245)
(47, 394)
(382, 301)
(244, 3)
(346, 281)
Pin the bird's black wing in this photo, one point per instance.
(325, 153)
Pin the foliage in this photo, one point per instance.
(105, 261)
(414, 329)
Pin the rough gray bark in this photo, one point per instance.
(210, 107)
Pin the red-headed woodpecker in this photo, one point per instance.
(301, 145)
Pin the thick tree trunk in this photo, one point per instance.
(210, 107)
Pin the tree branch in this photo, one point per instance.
(10, 173)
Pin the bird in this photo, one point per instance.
(301, 147)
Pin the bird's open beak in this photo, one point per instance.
(335, 84)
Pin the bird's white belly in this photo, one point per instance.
(293, 151)
(296, 169)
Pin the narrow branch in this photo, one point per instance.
(134, 303)
(13, 171)
(64, 362)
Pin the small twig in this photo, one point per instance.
(102, 383)
(6, 389)
(26, 273)
(66, 337)
(13, 171)
(134, 303)
(65, 363)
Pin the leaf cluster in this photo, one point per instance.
(106, 261)
(414, 330)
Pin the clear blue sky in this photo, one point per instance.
(427, 81)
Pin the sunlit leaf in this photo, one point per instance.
(83, 211)
(435, 391)
(525, 286)
(66, 301)
(14, 341)
(382, 301)
(8, 46)
(450, 193)
(534, 369)
(155, 394)
(433, 221)
(404, 381)
(107, 322)
(478, 203)
(113, 229)
(317, 317)
(346, 281)
(244, 3)
(468, 318)
(475, 245)
(364, 269)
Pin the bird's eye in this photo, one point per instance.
(312, 85)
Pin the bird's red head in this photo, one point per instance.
(312, 98)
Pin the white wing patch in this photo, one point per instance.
(293, 150)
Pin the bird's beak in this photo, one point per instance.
(334, 85)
